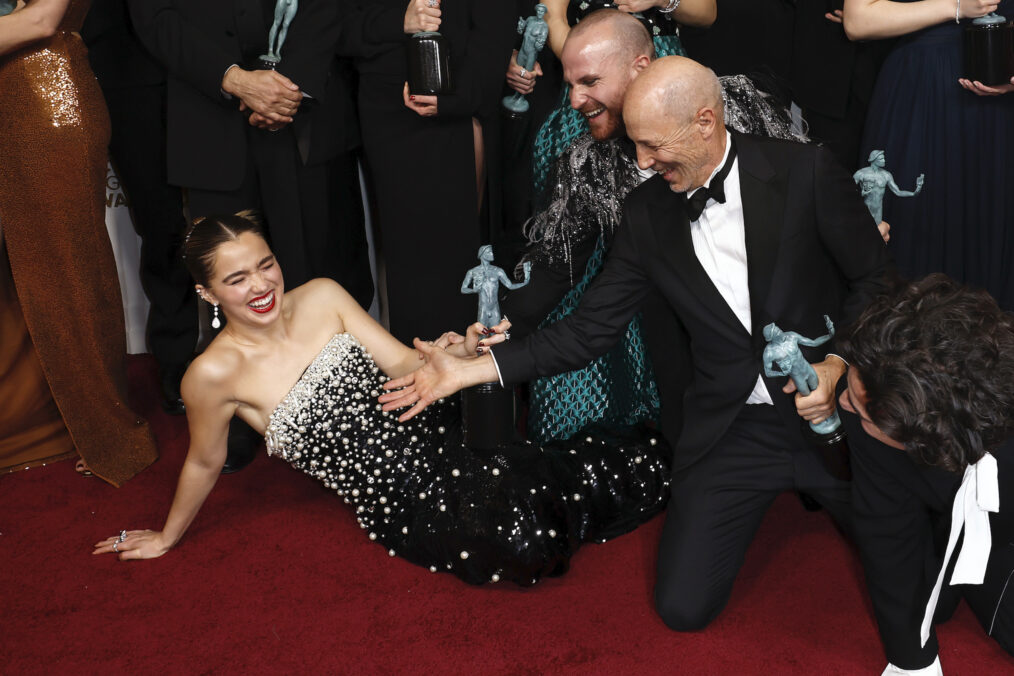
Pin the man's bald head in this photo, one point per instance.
(675, 115)
(601, 56)
(680, 86)
(622, 31)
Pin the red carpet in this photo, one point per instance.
(274, 577)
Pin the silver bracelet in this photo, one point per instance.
(673, 4)
(957, 13)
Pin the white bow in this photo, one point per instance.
(978, 494)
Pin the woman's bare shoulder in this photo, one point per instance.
(318, 295)
(214, 370)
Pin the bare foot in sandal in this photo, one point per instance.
(82, 468)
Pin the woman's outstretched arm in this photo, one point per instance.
(206, 393)
(392, 356)
(878, 19)
(556, 19)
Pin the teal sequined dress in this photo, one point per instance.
(616, 390)
(565, 124)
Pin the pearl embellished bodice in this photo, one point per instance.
(516, 514)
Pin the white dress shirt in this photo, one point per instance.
(719, 238)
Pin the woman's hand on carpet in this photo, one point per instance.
(134, 544)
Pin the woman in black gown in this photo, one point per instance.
(926, 123)
(305, 369)
(421, 159)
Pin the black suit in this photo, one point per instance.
(303, 177)
(134, 86)
(812, 251)
(902, 520)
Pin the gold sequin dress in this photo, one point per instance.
(54, 130)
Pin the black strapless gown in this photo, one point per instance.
(518, 514)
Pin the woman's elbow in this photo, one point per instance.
(45, 25)
(855, 28)
(852, 31)
(709, 15)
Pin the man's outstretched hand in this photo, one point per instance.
(442, 375)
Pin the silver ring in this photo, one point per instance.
(506, 335)
(524, 73)
(123, 536)
(433, 3)
(115, 545)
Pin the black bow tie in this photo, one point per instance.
(716, 191)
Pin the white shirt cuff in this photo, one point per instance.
(832, 354)
(497, 367)
(225, 93)
(932, 670)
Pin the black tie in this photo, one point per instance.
(716, 191)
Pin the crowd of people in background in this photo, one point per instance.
(332, 150)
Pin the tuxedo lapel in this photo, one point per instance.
(672, 232)
(763, 213)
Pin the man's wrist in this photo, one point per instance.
(837, 358)
(496, 370)
(230, 80)
(831, 370)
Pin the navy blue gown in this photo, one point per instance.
(961, 222)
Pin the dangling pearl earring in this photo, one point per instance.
(216, 323)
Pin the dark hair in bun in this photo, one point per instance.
(210, 232)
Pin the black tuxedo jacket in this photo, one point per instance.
(197, 41)
(811, 251)
(902, 517)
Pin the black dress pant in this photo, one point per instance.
(718, 503)
(137, 146)
(313, 214)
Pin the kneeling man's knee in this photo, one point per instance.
(684, 612)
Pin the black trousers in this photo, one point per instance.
(993, 600)
(718, 503)
(313, 214)
(137, 146)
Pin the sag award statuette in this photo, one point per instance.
(488, 411)
(783, 350)
(535, 31)
(874, 181)
(429, 63)
(285, 10)
(989, 50)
